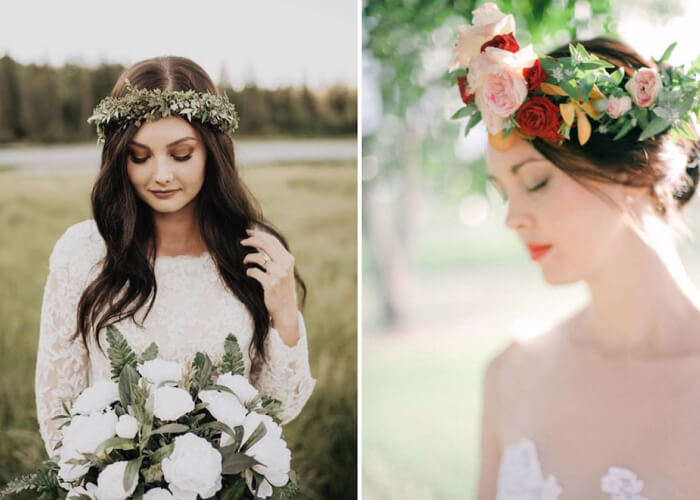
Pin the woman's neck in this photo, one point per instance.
(178, 233)
(644, 304)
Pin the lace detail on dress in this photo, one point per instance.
(193, 311)
(520, 477)
(622, 484)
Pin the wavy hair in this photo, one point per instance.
(225, 209)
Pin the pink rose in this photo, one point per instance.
(497, 76)
(489, 21)
(494, 123)
(644, 86)
(618, 106)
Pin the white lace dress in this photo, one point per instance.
(193, 311)
(520, 477)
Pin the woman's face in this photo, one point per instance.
(569, 230)
(166, 155)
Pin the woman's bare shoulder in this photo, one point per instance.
(522, 360)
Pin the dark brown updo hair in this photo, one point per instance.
(669, 169)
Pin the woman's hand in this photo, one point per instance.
(277, 280)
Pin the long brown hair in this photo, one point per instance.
(658, 164)
(225, 209)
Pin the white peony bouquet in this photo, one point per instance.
(164, 430)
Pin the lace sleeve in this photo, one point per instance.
(61, 365)
(286, 375)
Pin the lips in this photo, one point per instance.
(537, 251)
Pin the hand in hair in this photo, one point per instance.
(276, 275)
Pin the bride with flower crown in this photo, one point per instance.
(178, 253)
(594, 149)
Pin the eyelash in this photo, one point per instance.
(539, 186)
(143, 160)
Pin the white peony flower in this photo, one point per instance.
(158, 494)
(239, 385)
(489, 21)
(618, 106)
(90, 490)
(110, 482)
(644, 86)
(157, 371)
(83, 435)
(127, 427)
(95, 398)
(224, 407)
(171, 403)
(194, 467)
(271, 451)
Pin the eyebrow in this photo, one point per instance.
(169, 145)
(514, 169)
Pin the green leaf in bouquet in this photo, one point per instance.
(203, 371)
(131, 474)
(235, 491)
(119, 352)
(256, 436)
(138, 492)
(287, 491)
(217, 387)
(235, 463)
(161, 453)
(150, 353)
(153, 474)
(128, 378)
(42, 481)
(270, 404)
(169, 429)
(114, 443)
(233, 358)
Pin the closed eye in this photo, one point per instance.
(142, 159)
(539, 186)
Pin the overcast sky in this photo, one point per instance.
(274, 42)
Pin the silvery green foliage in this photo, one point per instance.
(140, 105)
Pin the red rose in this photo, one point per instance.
(505, 42)
(539, 116)
(465, 92)
(534, 75)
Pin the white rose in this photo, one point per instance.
(171, 403)
(239, 385)
(97, 397)
(159, 370)
(90, 490)
(618, 106)
(194, 467)
(83, 435)
(224, 407)
(110, 482)
(271, 450)
(127, 427)
(489, 21)
(158, 494)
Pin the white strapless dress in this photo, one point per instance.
(520, 477)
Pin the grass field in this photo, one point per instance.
(315, 206)
(469, 291)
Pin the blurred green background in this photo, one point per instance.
(315, 206)
(445, 285)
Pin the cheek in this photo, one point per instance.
(138, 174)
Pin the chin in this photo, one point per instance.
(560, 276)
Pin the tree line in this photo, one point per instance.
(40, 103)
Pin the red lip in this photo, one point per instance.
(537, 251)
(164, 194)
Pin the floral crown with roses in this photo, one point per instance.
(511, 88)
(140, 105)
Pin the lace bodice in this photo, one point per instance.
(520, 477)
(193, 311)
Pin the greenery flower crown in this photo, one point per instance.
(540, 96)
(139, 105)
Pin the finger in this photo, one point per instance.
(268, 242)
(258, 274)
(257, 258)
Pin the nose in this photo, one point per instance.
(518, 217)
(164, 173)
